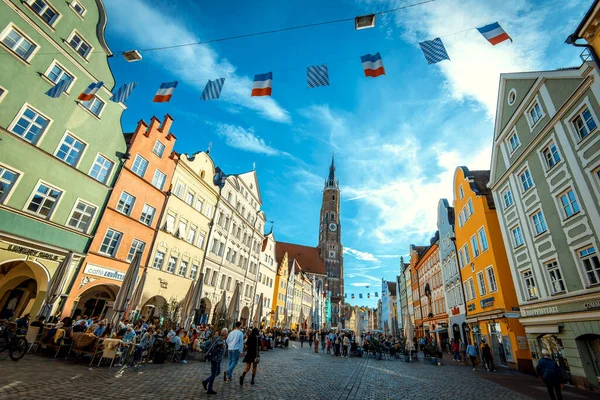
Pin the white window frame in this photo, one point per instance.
(109, 174)
(470, 210)
(475, 246)
(3, 93)
(579, 113)
(461, 192)
(493, 286)
(53, 64)
(90, 102)
(116, 249)
(131, 255)
(512, 199)
(509, 143)
(83, 39)
(181, 268)
(484, 239)
(142, 219)
(552, 265)
(524, 279)
(581, 258)
(15, 183)
(48, 5)
(562, 206)
(72, 6)
(162, 262)
(530, 122)
(54, 207)
(4, 33)
(128, 195)
(133, 165)
(547, 147)
(171, 257)
(201, 201)
(156, 172)
(481, 284)
(18, 116)
(179, 189)
(92, 217)
(158, 142)
(541, 222)
(187, 195)
(81, 155)
(521, 183)
(515, 243)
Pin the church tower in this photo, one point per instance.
(330, 245)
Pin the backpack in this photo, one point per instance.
(207, 346)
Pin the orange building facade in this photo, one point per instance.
(415, 254)
(491, 300)
(130, 220)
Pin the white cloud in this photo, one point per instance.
(360, 255)
(245, 139)
(361, 284)
(147, 27)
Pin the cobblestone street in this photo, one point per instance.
(283, 374)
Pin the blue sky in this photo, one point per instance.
(397, 138)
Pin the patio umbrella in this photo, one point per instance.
(276, 317)
(301, 319)
(185, 304)
(136, 299)
(233, 311)
(408, 333)
(56, 285)
(196, 300)
(258, 313)
(126, 290)
(309, 320)
(222, 310)
(285, 318)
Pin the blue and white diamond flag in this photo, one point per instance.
(317, 75)
(434, 51)
(212, 90)
(123, 93)
(56, 90)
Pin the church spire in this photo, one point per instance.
(331, 180)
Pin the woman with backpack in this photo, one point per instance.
(252, 357)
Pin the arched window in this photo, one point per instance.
(333, 197)
(332, 215)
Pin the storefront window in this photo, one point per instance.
(554, 345)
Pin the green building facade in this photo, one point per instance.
(59, 157)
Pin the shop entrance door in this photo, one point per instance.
(497, 343)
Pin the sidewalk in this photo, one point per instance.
(519, 382)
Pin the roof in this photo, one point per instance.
(391, 286)
(307, 257)
(478, 181)
(584, 21)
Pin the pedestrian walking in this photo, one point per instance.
(549, 372)
(488, 358)
(456, 349)
(316, 344)
(214, 352)
(472, 353)
(252, 357)
(311, 336)
(302, 338)
(346, 343)
(235, 344)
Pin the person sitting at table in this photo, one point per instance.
(127, 342)
(99, 331)
(79, 327)
(23, 322)
(39, 321)
(182, 341)
(146, 342)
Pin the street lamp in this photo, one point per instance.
(132, 55)
(364, 22)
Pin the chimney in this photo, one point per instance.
(166, 124)
(154, 124)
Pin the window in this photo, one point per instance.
(526, 180)
(517, 236)
(183, 268)
(111, 242)
(8, 179)
(171, 264)
(193, 271)
(208, 211)
(191, 237)
(179, 190)
(556, 281)
(95, 105)
(147, 215)
(483, 239)
(569, 203)
(78, 44)
(198, 205)
(470, 208)
(70, 150)
(57, 74)
(461, 220)
(535, 113)
(591, 264)
(140, 164)
(170, 223)
(466, 253)
(43, 9)
(461, 192)
(584, 124)
(18, 43)
(514, 142)
(475, 246)
(530, 287)
(508, 199)
(125, 203)
(159, 259)
(136, 246)
(189, 197)
(223, 280)
(30, 125)
(44, 200)
(82, 216)
(158, 148)
(551, 156)
(182, 227)
(229, 283)
(491, 278)
(159, 179)
(539, 223)
(471, 288)
(78, 8)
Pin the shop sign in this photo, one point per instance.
(540, 311)
(487, 302)
(97, 270)
(443, 324)
(455, 310)
(471, 307)
(592, 305)
(32, 252)
(522, 342)
(512, 315)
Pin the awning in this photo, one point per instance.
(542, 329)
(439, 330)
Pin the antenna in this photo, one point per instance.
(209, 146)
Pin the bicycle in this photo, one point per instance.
(16, 344)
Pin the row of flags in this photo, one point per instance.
(360, 295)
(316, 75)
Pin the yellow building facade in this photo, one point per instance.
(491, 300)
(280, 289)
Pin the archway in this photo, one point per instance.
(23, 286)
(589, 349)
(97, 300)
(205, 308)
(244, 316)
(455, 332)
(153, 307)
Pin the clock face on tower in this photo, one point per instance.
(332, 254)
(332, 227)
